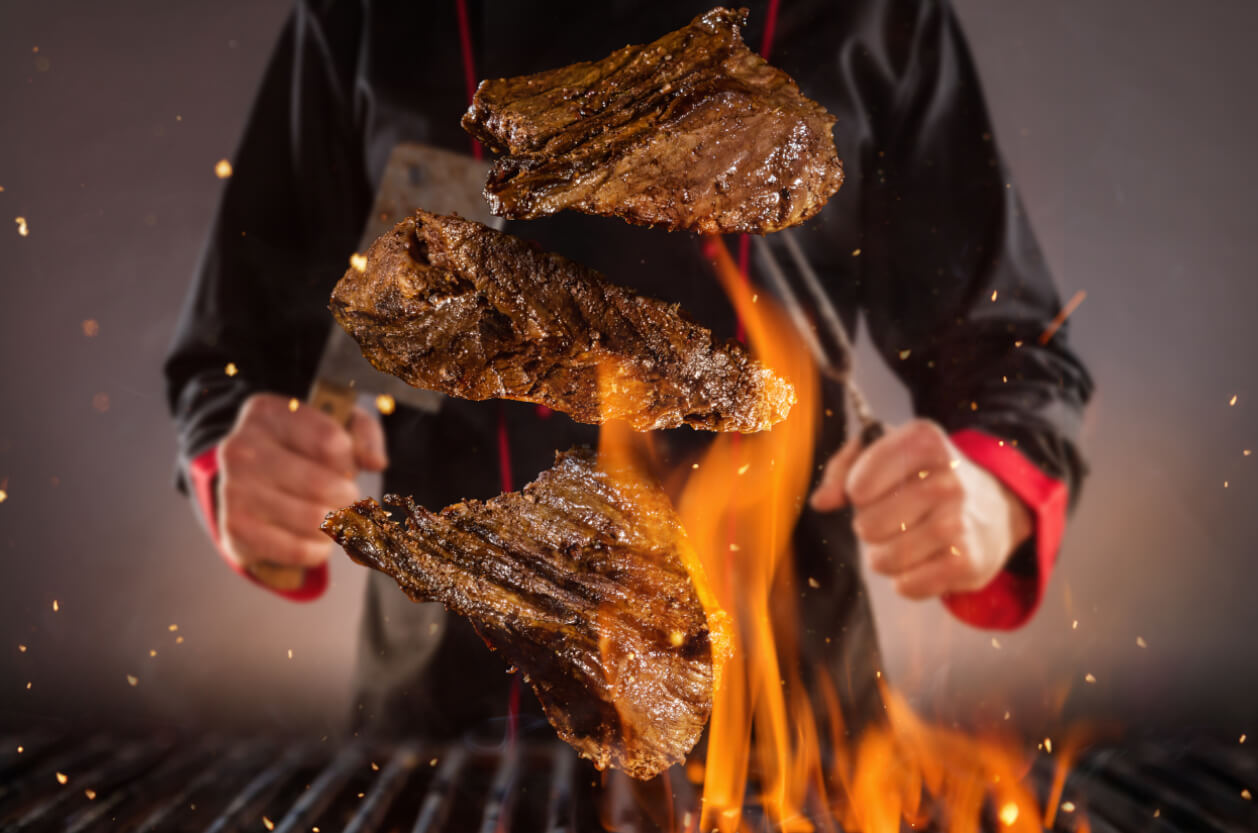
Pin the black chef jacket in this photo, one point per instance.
(927, 203)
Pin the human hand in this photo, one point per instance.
(281, 471)
(925, 515)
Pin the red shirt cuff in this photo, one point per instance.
(202, 472)
(1009, 601)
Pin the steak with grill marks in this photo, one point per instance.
(585, 583)
(693, 131)
(453, 306)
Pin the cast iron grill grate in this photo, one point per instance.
(216, 785)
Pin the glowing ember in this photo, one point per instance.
(1245, 794)
(21, 749)
(3, 495)
(1089, 678)
(290, 653)
(173, 628)
(152, 652)
(1232, 401)
(433, 762)
(375, 767)
(359, 262)
(267, 823)
(385, 404)
(1247, 452)
(1140, 641)
(21, 226)
(91, 328)
(1067, 806)
(856, 252)
(55, 606)
(223, 169)
(1242, 740)
(231, 369)
(1074, 626)
(993, 296)
(132, 680)
(62, 778)
(293, 404)
(90, 793)
(178, 640)
(996, 643)
(1009, 814)
(1048, 745)
(904, 354)
(1061, 317)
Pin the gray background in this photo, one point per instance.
(1129, 125)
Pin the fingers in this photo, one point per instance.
(902, 453)
(905, 508)
(305, 431)
(831, 492)
(250, 539)
(368, 441)
(259, 461)
(941, 530)
(944, 572)
(296, 516)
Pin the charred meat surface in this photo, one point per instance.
(453, 306)
(583, 582)
(694, 131)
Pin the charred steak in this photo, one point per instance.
(454, 306)
(694, 131)
(582, 582)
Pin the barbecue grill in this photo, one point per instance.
(220, 785)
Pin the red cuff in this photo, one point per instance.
(202, 472)
(1009, 600)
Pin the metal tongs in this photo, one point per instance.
(815, 318)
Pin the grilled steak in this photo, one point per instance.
(581, 581)
(694, 131)
(454, 306)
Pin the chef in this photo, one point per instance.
(926, 241)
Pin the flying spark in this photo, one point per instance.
(223, 169)
(385, 404)
(290, 653)
(21, 226)
(359, 262)
(90, 793)
(996, 643)
(1089, 678)
(1140, 641)
(267, 823)
(91, 328)
(132, 680)
(62, 778)
(1048, 745)
(1067, 806)
(1009, 814)
(1061, 317)
(152, 652)
(813, 583)
(1231, 401)
(173, 628)
(1243, 736)
(994, 295)
(856, 252)
(55, 606)
(375, 767)
(3, 495)
(231, 369)
(294, 404)
(1245, 794)
(743, 468)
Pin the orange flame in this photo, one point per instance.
(739, 505)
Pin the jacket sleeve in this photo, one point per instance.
(958, 298)
(287, 221)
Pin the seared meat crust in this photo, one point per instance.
(693, 131)
(583, 582)
(453, 306)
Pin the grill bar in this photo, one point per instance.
(387, 786)
(134, 759)
(560, 809)
(501, 794)
(246, 758)
(321, 791)
(256, 791)
(436, 806)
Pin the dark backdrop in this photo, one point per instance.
(1129, 125)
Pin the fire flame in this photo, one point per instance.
(739, 505)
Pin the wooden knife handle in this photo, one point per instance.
(337, 401)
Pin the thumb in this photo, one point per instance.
(831, 492)
(368, 439)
